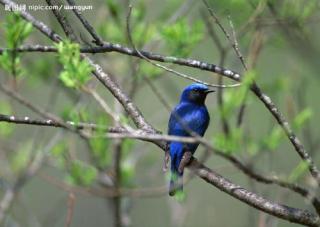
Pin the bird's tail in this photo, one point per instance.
(176, 184)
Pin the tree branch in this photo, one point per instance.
(106, 80)
(281, 211)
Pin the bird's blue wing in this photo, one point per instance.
(194, 117)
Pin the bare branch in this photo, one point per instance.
(86, 24)
(114, 47)
(71, 203)
(233, 42)
(281, 211)
(106, 80)
(236, 191)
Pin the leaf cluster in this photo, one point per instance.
(76, 71)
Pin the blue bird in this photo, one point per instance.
(188, 117)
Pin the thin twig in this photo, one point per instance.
(29, 172)
(107, 109)
(70, 210)
(115, 47)
(236, 45)
(292, 214)
(171, 70)
(223, 53)
(233, 42)
(86, 24)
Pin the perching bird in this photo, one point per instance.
(189, 117)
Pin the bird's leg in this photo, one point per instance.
(185, 160)
(166, 158)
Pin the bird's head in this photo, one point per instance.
(195, 93)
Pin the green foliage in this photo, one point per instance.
(149, 70)
(302, 118)
(297, 172)
(253, 147)
(181, 37)
(58, 152)
(142, 33)
(81, 173)
(139, 11)
(127, 145)
(111, 32)
(16, 31)
(5, 129)
(100, 145)
(298, 11)
(114, 8)
(79, 115)
(75, 115)
(233, 98)
(229, 143)
(124, 120)
(273, 139)
(76, 71)
(20, 159)
(8, 62)
(127, 173)
(116, 32)
(127, 166)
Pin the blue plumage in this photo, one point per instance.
(190, 115)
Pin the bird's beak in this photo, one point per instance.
(210, 91)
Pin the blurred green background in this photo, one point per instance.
(279, 41)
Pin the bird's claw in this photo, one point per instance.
(185, 161)
(166, 161)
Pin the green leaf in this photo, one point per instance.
(253, 148)
(229, 143)
(67, 79)
(233, 98)
(298, 11)
(16, 31)
(181, 37)
(127, 173)
(302, 118)
(149, 70)
(127, 146)
(81, 173)
(139, 11)
(75, 71)
(114, 8)
(5, 61)
(58, 153)
(273, 139)
(111, 31)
